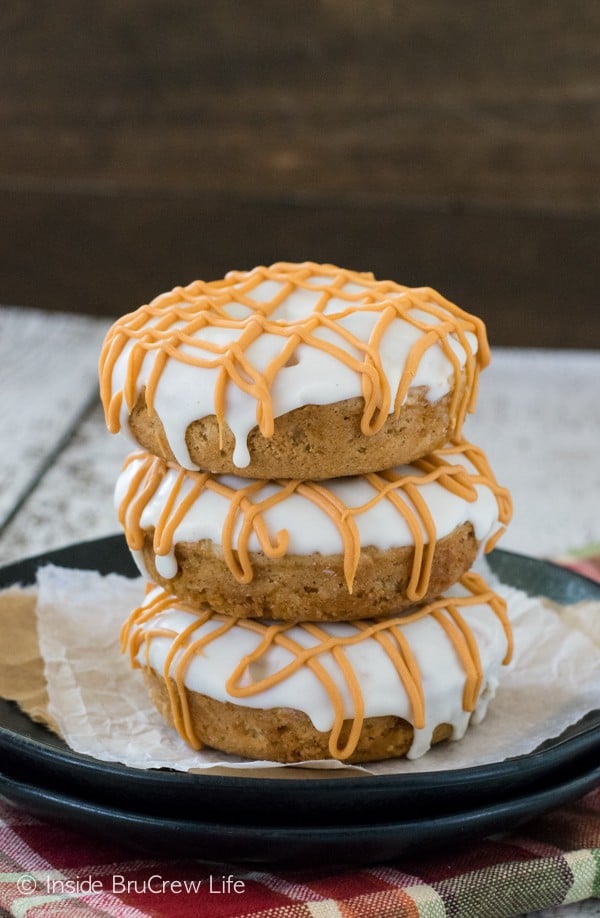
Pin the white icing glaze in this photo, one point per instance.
(186, 393)
(309, 528)
(443, 676)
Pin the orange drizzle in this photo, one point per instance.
(178, 317)
(402, 491)
(387, 632)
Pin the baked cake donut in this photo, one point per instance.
(373, 689)
(311, 551)
(294, 371)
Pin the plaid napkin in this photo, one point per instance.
(47, 870)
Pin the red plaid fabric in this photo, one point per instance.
(47, 870)
(589, 567)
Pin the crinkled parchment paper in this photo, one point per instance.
(100, 706)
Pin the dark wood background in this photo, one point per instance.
(146, 143)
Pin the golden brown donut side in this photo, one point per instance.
(282, 734)
(311, 587)
(315, 441)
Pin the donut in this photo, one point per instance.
(357, 692)
(302, 371)
(299, 550)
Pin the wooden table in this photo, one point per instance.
(451, 144)
(538, 418)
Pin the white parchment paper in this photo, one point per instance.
(101, 706)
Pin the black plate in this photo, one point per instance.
(41, 758)
(294, 847)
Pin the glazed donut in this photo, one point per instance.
(311, 551)
(294, 371)
(361, 691)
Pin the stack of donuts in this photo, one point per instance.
(306, 511)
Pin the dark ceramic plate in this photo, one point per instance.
(40, 759)
(331, 847)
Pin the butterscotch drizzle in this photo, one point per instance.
(138, 632)
(403, 491)
(172, 325)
